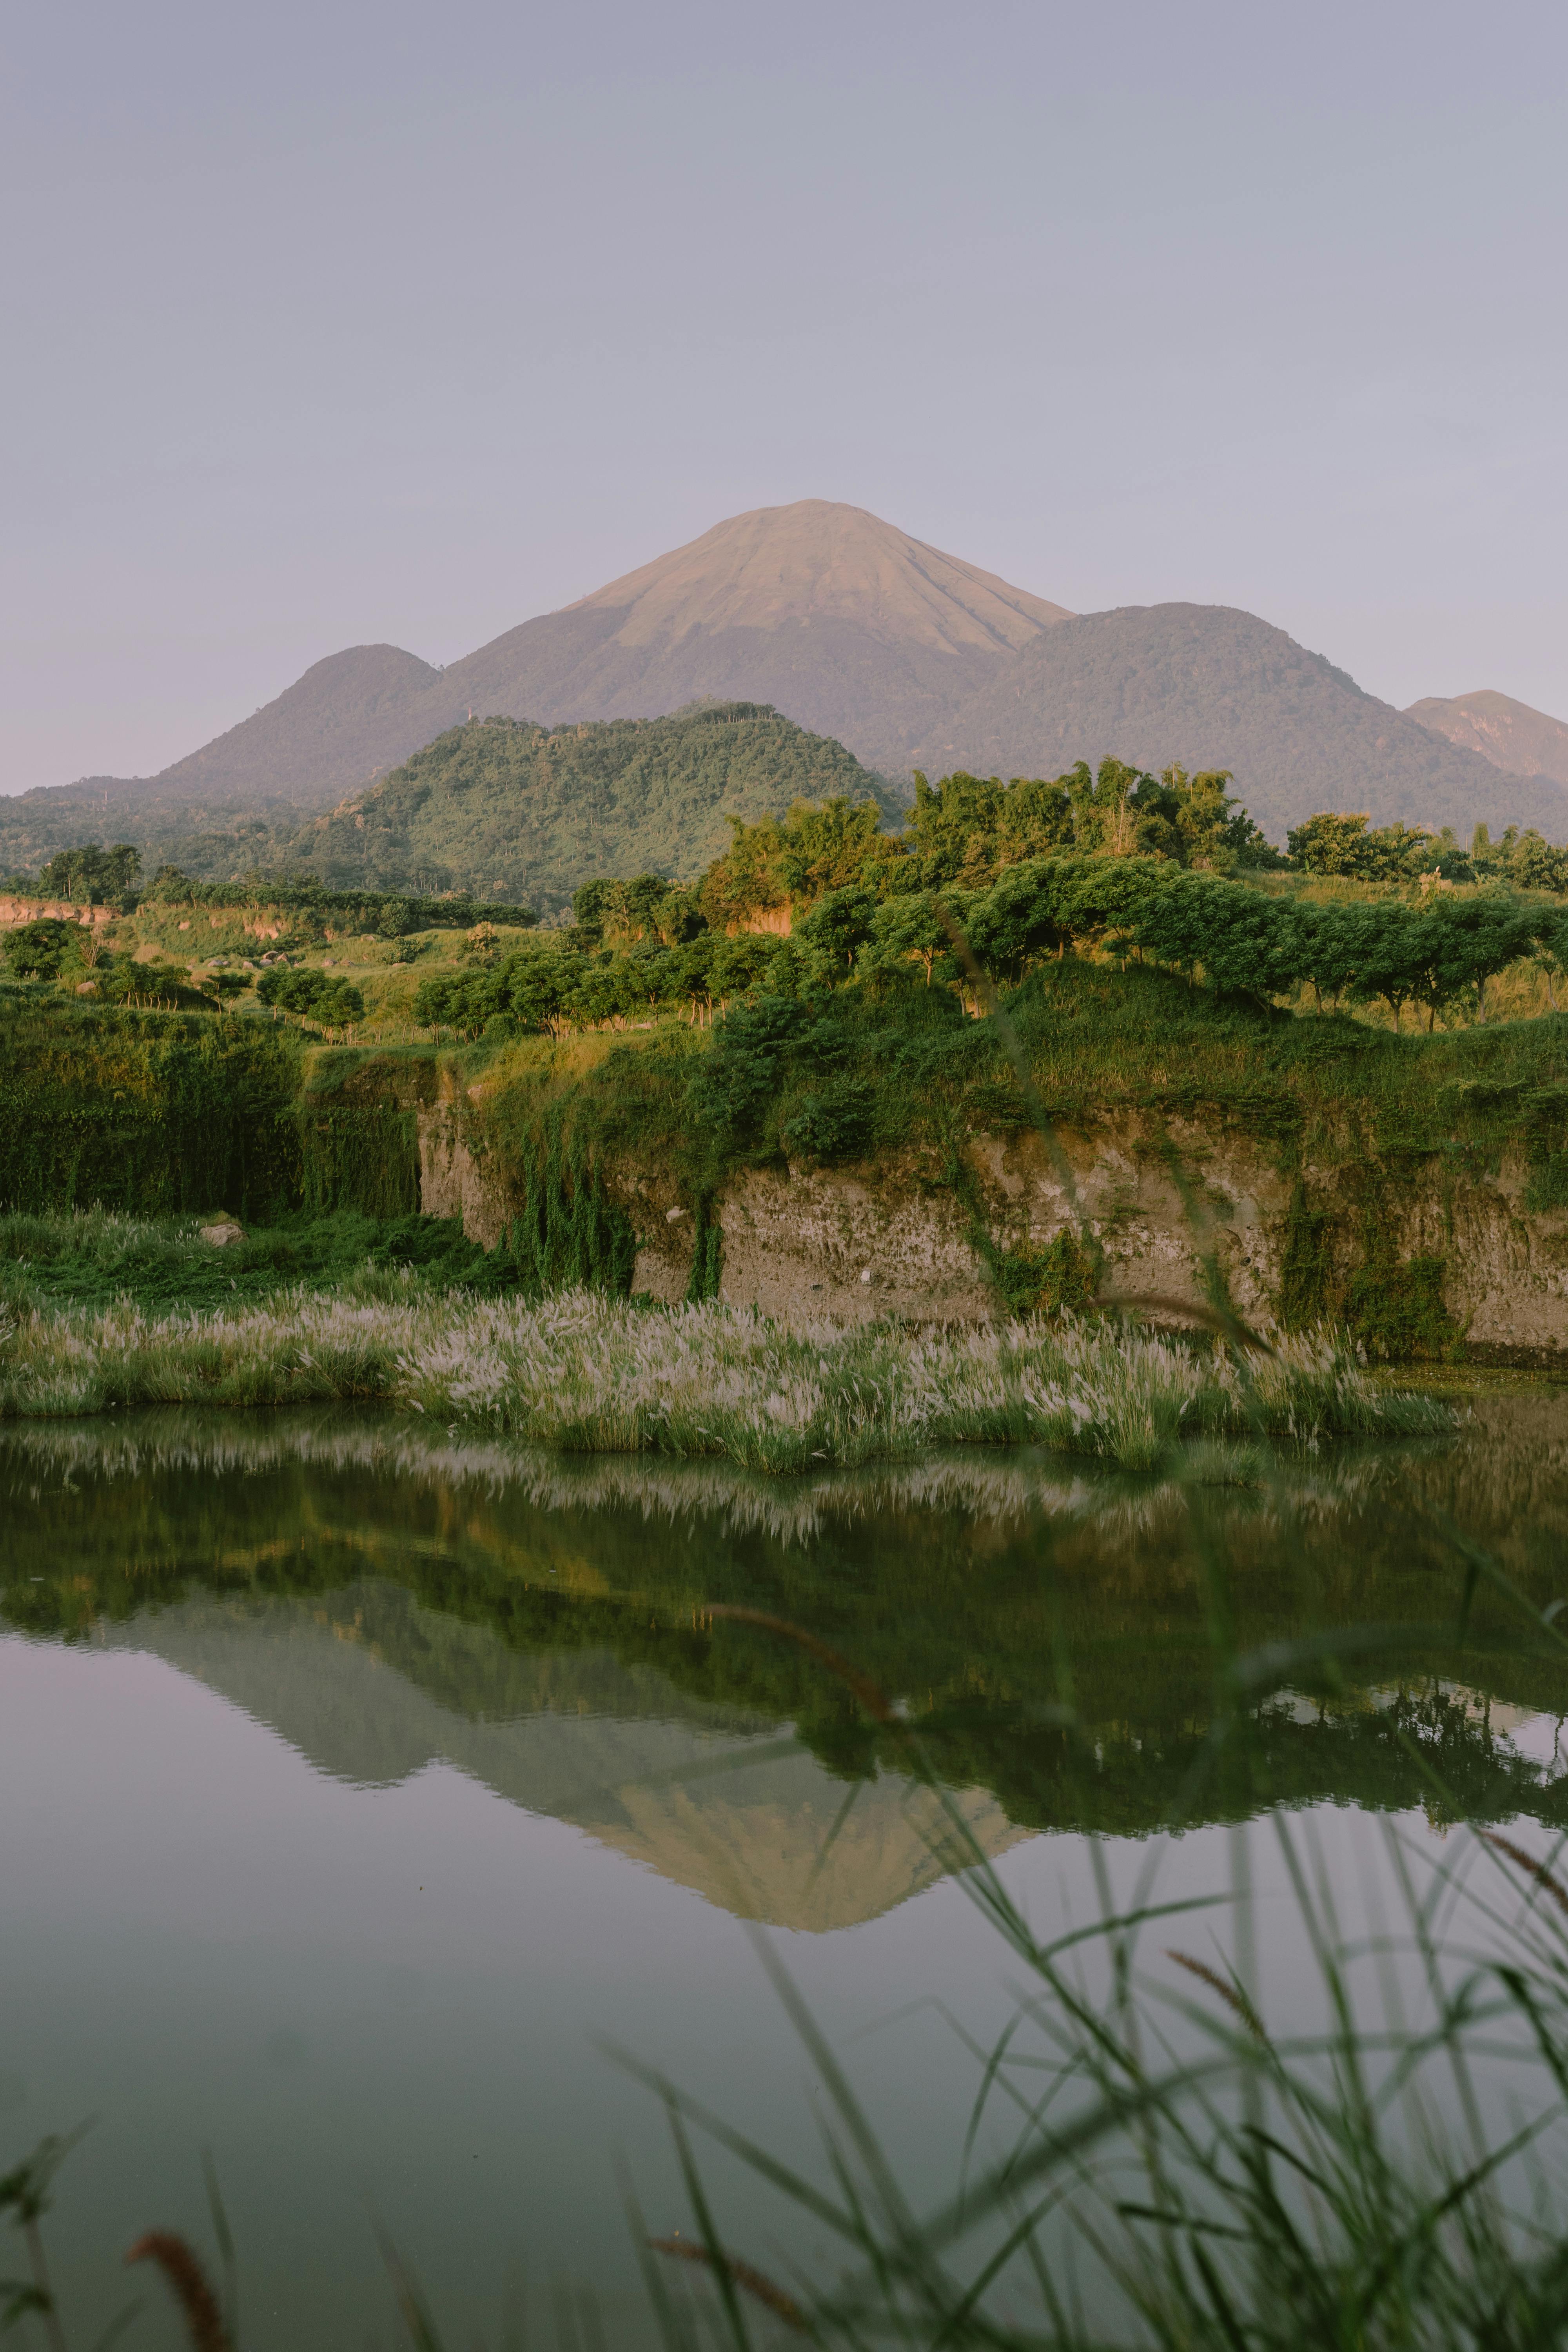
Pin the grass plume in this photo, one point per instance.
(581, 1373)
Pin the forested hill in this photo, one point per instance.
(1214, 687)
(508, 809)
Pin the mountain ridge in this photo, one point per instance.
(1211, 686)
(1510, 734)
(907, 656)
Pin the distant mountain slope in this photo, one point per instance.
(513, 811)
(849, 624)
(852, 626)
(1507, 733)
(345, 717)
(908, 657)
(1212, 687)
(348, 717)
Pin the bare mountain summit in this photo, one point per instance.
(847, 624)
(814, 561)
(1507, 733)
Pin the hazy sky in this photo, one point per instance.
(332, 323)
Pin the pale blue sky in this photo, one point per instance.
(331, 323)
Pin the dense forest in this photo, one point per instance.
(507, 810)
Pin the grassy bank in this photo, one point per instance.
(582, 1373)
(149, 1113)
(96, 1259)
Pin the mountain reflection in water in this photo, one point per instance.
(384, 1596)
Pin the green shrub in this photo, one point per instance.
(308, 991)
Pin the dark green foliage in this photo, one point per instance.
(835, 930)
(836, 1121)
(1058, 1278)
(1331, 1269)
(828, 1079)
(315, 994)
(90, 875)
(1395, 1306)
(158, 984)
(359, 1133)
(145, 1112)
(504, 806)
(568, 1232)
(1305, 1267)
(87, 1261)
(38, 950)
(1244, 943)
(304, 896)
(1349, 846)
(1544, 1110)
(707, 1255)
(543, 988)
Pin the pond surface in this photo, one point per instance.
(361, 1783)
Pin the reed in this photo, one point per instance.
(581, 1373)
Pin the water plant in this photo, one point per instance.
(580, 1372)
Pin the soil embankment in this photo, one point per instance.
(1451, 1263)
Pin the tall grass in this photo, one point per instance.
(1159, 2153)
(93, 1258)
(582, 1373)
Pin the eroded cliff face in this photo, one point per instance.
(1486, 1272)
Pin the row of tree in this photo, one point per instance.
(90, 875)
(1437, 955)
(1352, 847)
(965, 832)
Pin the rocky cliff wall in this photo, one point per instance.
(1445, 1261)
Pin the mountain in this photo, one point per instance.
(1214, 687)
(1507, 733)
(512, 811)
(907, 656)
(346, 719)
(852, 626)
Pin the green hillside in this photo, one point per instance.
(507, 809)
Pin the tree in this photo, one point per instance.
(1387, 952)
(690, 969)
(836, 929)
(313, 994)
(1343, 845)
(89, 874)
(1326, 948)
(36, 951)
(601, 994)
(1017, 921)
(538, 986)
(1536, 864)
(1213, 831)
(909, 930)
(740, 964)
(1461, 943)
(1550, 959)
(1109, 819)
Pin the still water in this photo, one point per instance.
(361, 1785)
